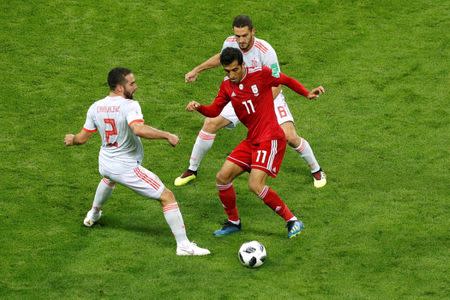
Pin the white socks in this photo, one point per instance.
(104, 191)
(175, 220)
(202, 145)
(306, 152)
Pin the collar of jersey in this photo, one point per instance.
(245, 76)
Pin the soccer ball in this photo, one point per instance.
(252, 254)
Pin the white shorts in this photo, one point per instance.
(139, 179)
(281, 110)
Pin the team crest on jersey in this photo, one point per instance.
(254, 63)
(255, 90)
(241, 86)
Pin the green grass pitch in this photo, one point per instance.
(379, 230)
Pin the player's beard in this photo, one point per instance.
(247, 45)
(244, 47)
(128, 95)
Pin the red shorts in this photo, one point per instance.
(266, 156)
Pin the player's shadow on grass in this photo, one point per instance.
(258, 233)
(252, 232)
(155, 228)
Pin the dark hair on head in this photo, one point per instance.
(242, 21)
(231, 54)
(117, 76)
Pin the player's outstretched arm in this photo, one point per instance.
(210, 111)
(214, 109)
(77, 139)
(144, 131)
(210, 63)
(297, 87)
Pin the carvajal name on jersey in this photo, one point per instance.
(108, 109)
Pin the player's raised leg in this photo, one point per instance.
(301, 146)
(205, 140)
(203, 143)
(227, 195)
(104, 191)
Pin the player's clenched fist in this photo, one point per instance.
(68, 139)
(192, 106)
(191, 76)
(314, 93)
(173, 139)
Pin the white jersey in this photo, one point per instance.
(260, 54)
(112, 117)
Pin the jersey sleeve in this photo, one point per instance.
(134, 113)
(229, 42)
(292, 83)
(270, 59)
(214, 109)
(89, 124)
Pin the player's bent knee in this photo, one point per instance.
(167, 197)
(223, 178)
(212, 125)
(291, 135)
(293, 139)
(255, 187)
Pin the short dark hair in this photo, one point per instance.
(231, 54)
(242, 21)
(117, 76)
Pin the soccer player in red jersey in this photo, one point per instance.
(256, 53)
(261, 153)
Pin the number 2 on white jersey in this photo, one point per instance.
(112, 132)
(249, 106)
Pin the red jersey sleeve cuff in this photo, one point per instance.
(136, 121)
(90, 130)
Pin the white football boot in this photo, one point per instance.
(191, 249)
(320, 179)
(91, 217)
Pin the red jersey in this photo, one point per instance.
(252, 100)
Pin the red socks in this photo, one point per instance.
(272, 200)
(227, 196)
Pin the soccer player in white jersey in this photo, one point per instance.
(120, 122)
(257, 53)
